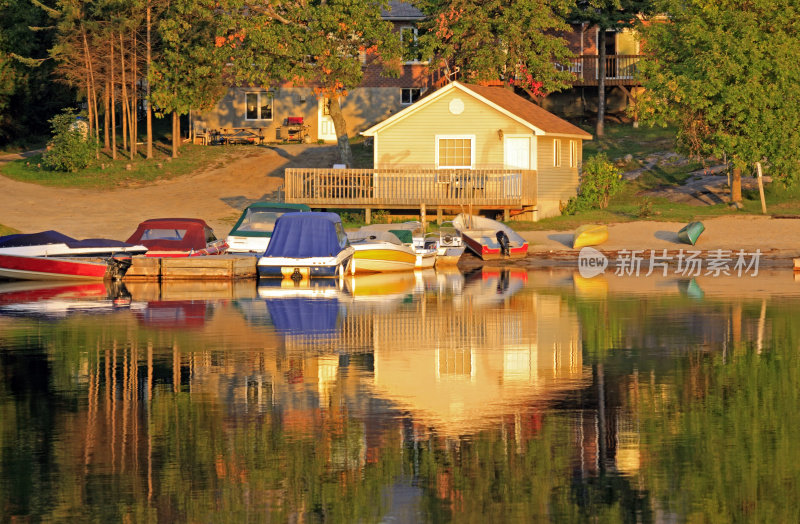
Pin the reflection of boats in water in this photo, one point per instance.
(58, 300)
(493, 285)
(175, 314)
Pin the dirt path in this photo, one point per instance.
(216, 195)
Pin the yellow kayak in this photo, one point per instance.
(590, 235)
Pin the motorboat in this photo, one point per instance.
(411, 234)
(449, 244)
(490, 239)
(380, 251)
(306, 245)
(50, 255)
(18, 267)
(251, 233)
(54, 244)
(177, 237)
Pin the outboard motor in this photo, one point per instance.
(502, 239)
(118, 264)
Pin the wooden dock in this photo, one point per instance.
(216, 267)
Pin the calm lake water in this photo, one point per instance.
(494, 396)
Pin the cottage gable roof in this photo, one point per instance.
(540, 121)
(530, 112)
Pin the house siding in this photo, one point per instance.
(556, 184)
(411, 142)
(362, 107)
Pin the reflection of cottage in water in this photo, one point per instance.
(455, 369)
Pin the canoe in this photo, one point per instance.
(590, 235)
(691, 232)
(482, 236)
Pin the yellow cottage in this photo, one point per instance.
(461, 147)
(490, 133)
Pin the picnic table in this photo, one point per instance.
(237, 135)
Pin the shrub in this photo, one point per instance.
(600, 181)
(70, 149)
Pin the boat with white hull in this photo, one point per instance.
(306, 245)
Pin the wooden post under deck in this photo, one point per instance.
(368, 215)
(439, 215)
(422, 216)
(506, 215)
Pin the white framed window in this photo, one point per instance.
(410, 44)
(409, 95)
(573, 153)
(455, 151)
(556, 153)
(258, 106)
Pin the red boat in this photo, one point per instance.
(177, 237)
(53, 268)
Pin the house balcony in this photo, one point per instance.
(620, 70)
(412, 188)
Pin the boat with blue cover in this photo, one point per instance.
(305, 245)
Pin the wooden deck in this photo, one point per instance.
(412, 188)
(620, 70)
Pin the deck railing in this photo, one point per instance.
(620, 69)
(397, 188)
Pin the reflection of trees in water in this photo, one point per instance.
(140, 423)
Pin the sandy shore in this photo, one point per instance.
(218, 195)
(777, 239)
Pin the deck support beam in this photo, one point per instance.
(368, 215)
(439, 217)
(423, 216)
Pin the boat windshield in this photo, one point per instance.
(163, 234)
(343, 240)
(259, 220)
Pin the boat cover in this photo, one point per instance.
(304, 316)
(171, 234)
(54, 237)
(305, 235)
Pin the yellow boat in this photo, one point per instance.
(590, 235)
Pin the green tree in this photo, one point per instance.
(319, 43)
(489, 40)
(608, 15)
(725, 73)
(28, 95)
(188, 73)
(72, 147)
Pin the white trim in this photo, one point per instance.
(471, 138)
(259, 105)
(557, 151)
(573, 153)
(531, 149)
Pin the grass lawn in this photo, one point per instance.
(107, 173)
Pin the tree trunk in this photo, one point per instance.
(736, 186)
(149, 109)
(176, 133)
(340, 127)
(134, 102)
(124, 100)
(106, 116)
(113, 105)
(601, 81)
